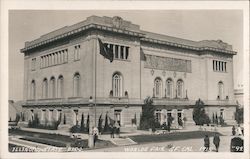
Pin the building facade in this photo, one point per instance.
(65, 74)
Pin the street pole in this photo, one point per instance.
(95, 78)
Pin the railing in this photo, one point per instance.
(173, 101)
(125, 101)
(181, 101)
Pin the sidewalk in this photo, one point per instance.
(223, 130)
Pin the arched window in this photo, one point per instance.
(33, 90)
(220, 90)
(117, 84)
(45, 88)
(179, 88)
(158, 87)
(60, 87)
(169, 88)
(52, 87)
(76, 85)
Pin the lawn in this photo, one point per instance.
(171, 136)
(56, 139)
(50, 142)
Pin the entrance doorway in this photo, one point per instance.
(180, 117)
(118, 116)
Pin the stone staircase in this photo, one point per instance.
(128, 129)
(123, 141)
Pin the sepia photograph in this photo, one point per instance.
(162, 80)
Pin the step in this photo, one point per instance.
(128, 129)
(123, 141)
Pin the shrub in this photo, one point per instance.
(199, 115)
(147, 117)
(106, 125)
(75, 129)
(34, 123)
(80, 144)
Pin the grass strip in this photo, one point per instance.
(172, 136)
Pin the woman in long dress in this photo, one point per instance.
(239, 130)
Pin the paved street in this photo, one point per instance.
(189, 145)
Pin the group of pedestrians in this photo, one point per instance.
(216, 142)
(237, 131)
(115, 129)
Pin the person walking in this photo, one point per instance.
(239, 130)
(233, 130)
(206, 143)
(95, 134)
(216, 141)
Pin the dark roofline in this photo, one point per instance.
(76, 31)
(143, 35)
(189, 47)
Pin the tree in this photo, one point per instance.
(23, 117)
(213, 119)
(106, 125)
(17, 117)
(135, 119)
(199, 115)
(64, 119)
(87, 124)
(239, 114)
(147, 118)
(82, 123)
(216, 119)
(100, 123)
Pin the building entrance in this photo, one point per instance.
(118, 116)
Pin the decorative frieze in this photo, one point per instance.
(167, 63)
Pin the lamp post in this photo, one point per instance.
(91, 137)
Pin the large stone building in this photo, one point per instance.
(66, 74)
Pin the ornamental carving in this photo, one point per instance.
(167, 63)
(117, 21)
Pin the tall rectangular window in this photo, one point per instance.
(219, 66)
(33, 64)
(126, 52)
(122, 52)
(77, 52)
(116, 52)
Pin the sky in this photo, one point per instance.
(27, 25)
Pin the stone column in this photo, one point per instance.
(163, 114)
(189, 116)
(175, 116)
(91, 118)
(119, 51)
(124, 52)
(66, 55)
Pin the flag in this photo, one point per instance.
(105, 51)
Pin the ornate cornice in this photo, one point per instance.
(34, 44)
(119, 26)
(194, 48)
